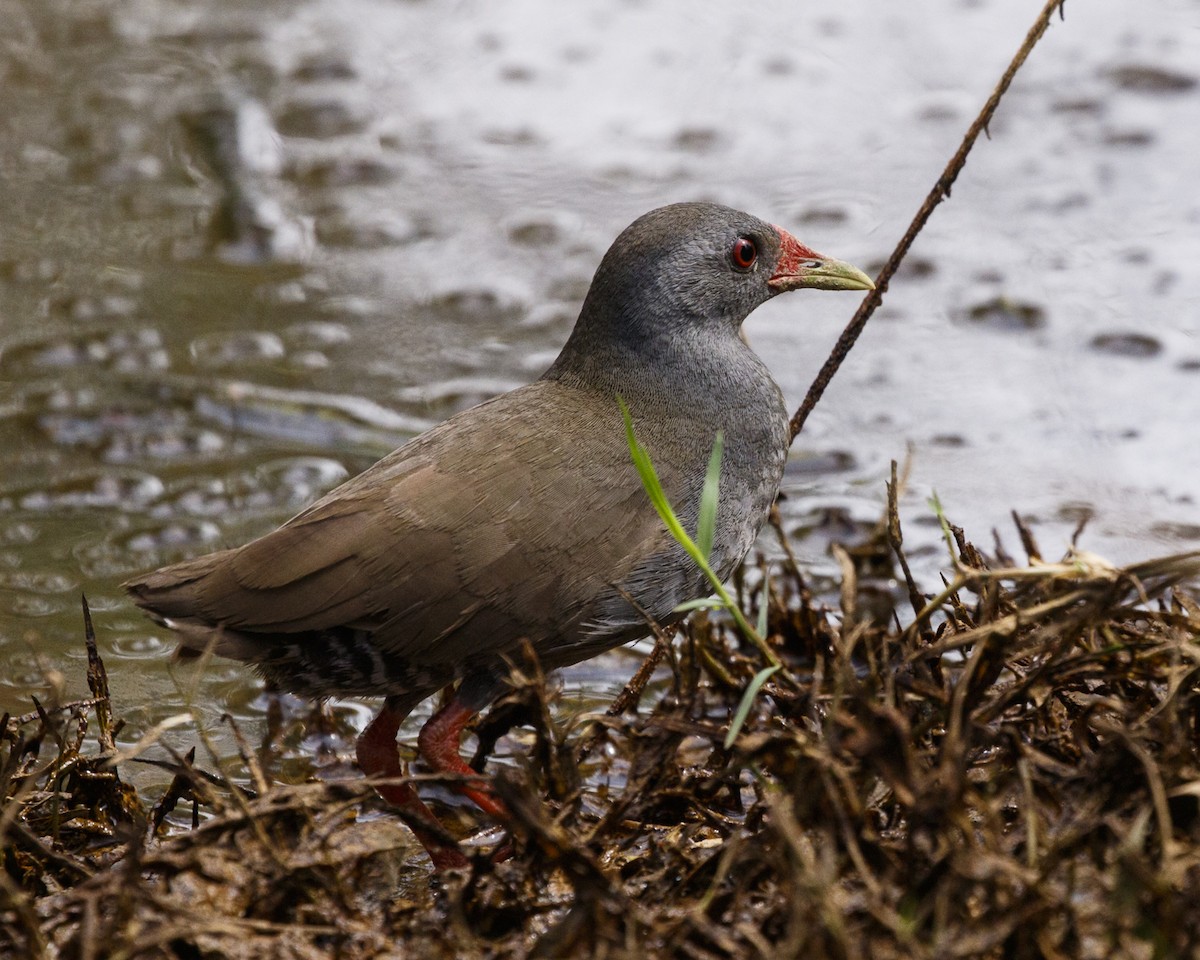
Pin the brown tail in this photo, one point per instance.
(172, 597)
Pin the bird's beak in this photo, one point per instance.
(802, 268)
(822, 273)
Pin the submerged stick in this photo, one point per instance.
(940, 191)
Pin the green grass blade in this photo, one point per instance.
(935, 504)
(706, 522)
(658, 497)
(704, 603)
(743, 710)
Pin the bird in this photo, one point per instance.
(523, 520)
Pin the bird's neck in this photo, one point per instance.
(653, 362)
(688, 386)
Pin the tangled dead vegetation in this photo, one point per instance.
(1013, 772)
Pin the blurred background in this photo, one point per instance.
(247, 249)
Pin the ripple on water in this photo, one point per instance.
(535, 231)
(324, 67)
(1005, 315)
(90, 309)
(36, 270)
(210, 498)
(354, 307)
(137, 349)
(494, 304)
(815, 521)
(698, 140)
(99, 557)
(95, 488)
(21, 532)
(1179, 532)
(571, 290)
(457, 393)
(316, 334)
(301, 479)
(320, 119)
(518, 136)
(915, 268)
(368, 231)
(823, 215)
(234, 347)
(1137, 345)
(1128, 138)
(35, 582)
(165, 441)
(550, 315)
(810, 463)
(33, 605)
(23, 672)
(942, 106)
(290, 292)
(310, 417)
(308, 360)
(952, 441)
(1143, 78)
(140, 646)
(1082, 106)
(342, 172)
(174, 535)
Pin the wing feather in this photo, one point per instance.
(510, 521)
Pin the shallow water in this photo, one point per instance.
(245, 252)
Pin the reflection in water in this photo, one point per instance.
(247, 252)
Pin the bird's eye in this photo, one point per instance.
(743, 253)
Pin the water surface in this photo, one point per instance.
(247, 251)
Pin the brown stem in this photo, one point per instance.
(940, 191)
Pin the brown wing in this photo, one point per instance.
(505, 522)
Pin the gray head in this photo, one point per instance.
(692, 271)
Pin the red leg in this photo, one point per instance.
(379, 757)
(438, 745)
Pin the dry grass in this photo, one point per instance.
(1014, 773)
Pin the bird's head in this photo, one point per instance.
(691, 264)
(690, 273)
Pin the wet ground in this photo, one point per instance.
(245, 252)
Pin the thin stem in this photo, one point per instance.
(940, 191)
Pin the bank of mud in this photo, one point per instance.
(1005, 768)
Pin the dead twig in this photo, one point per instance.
(940, 191)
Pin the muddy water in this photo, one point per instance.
(244, 252)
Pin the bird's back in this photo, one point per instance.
(518, 519)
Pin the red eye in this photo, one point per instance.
(743, 253)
